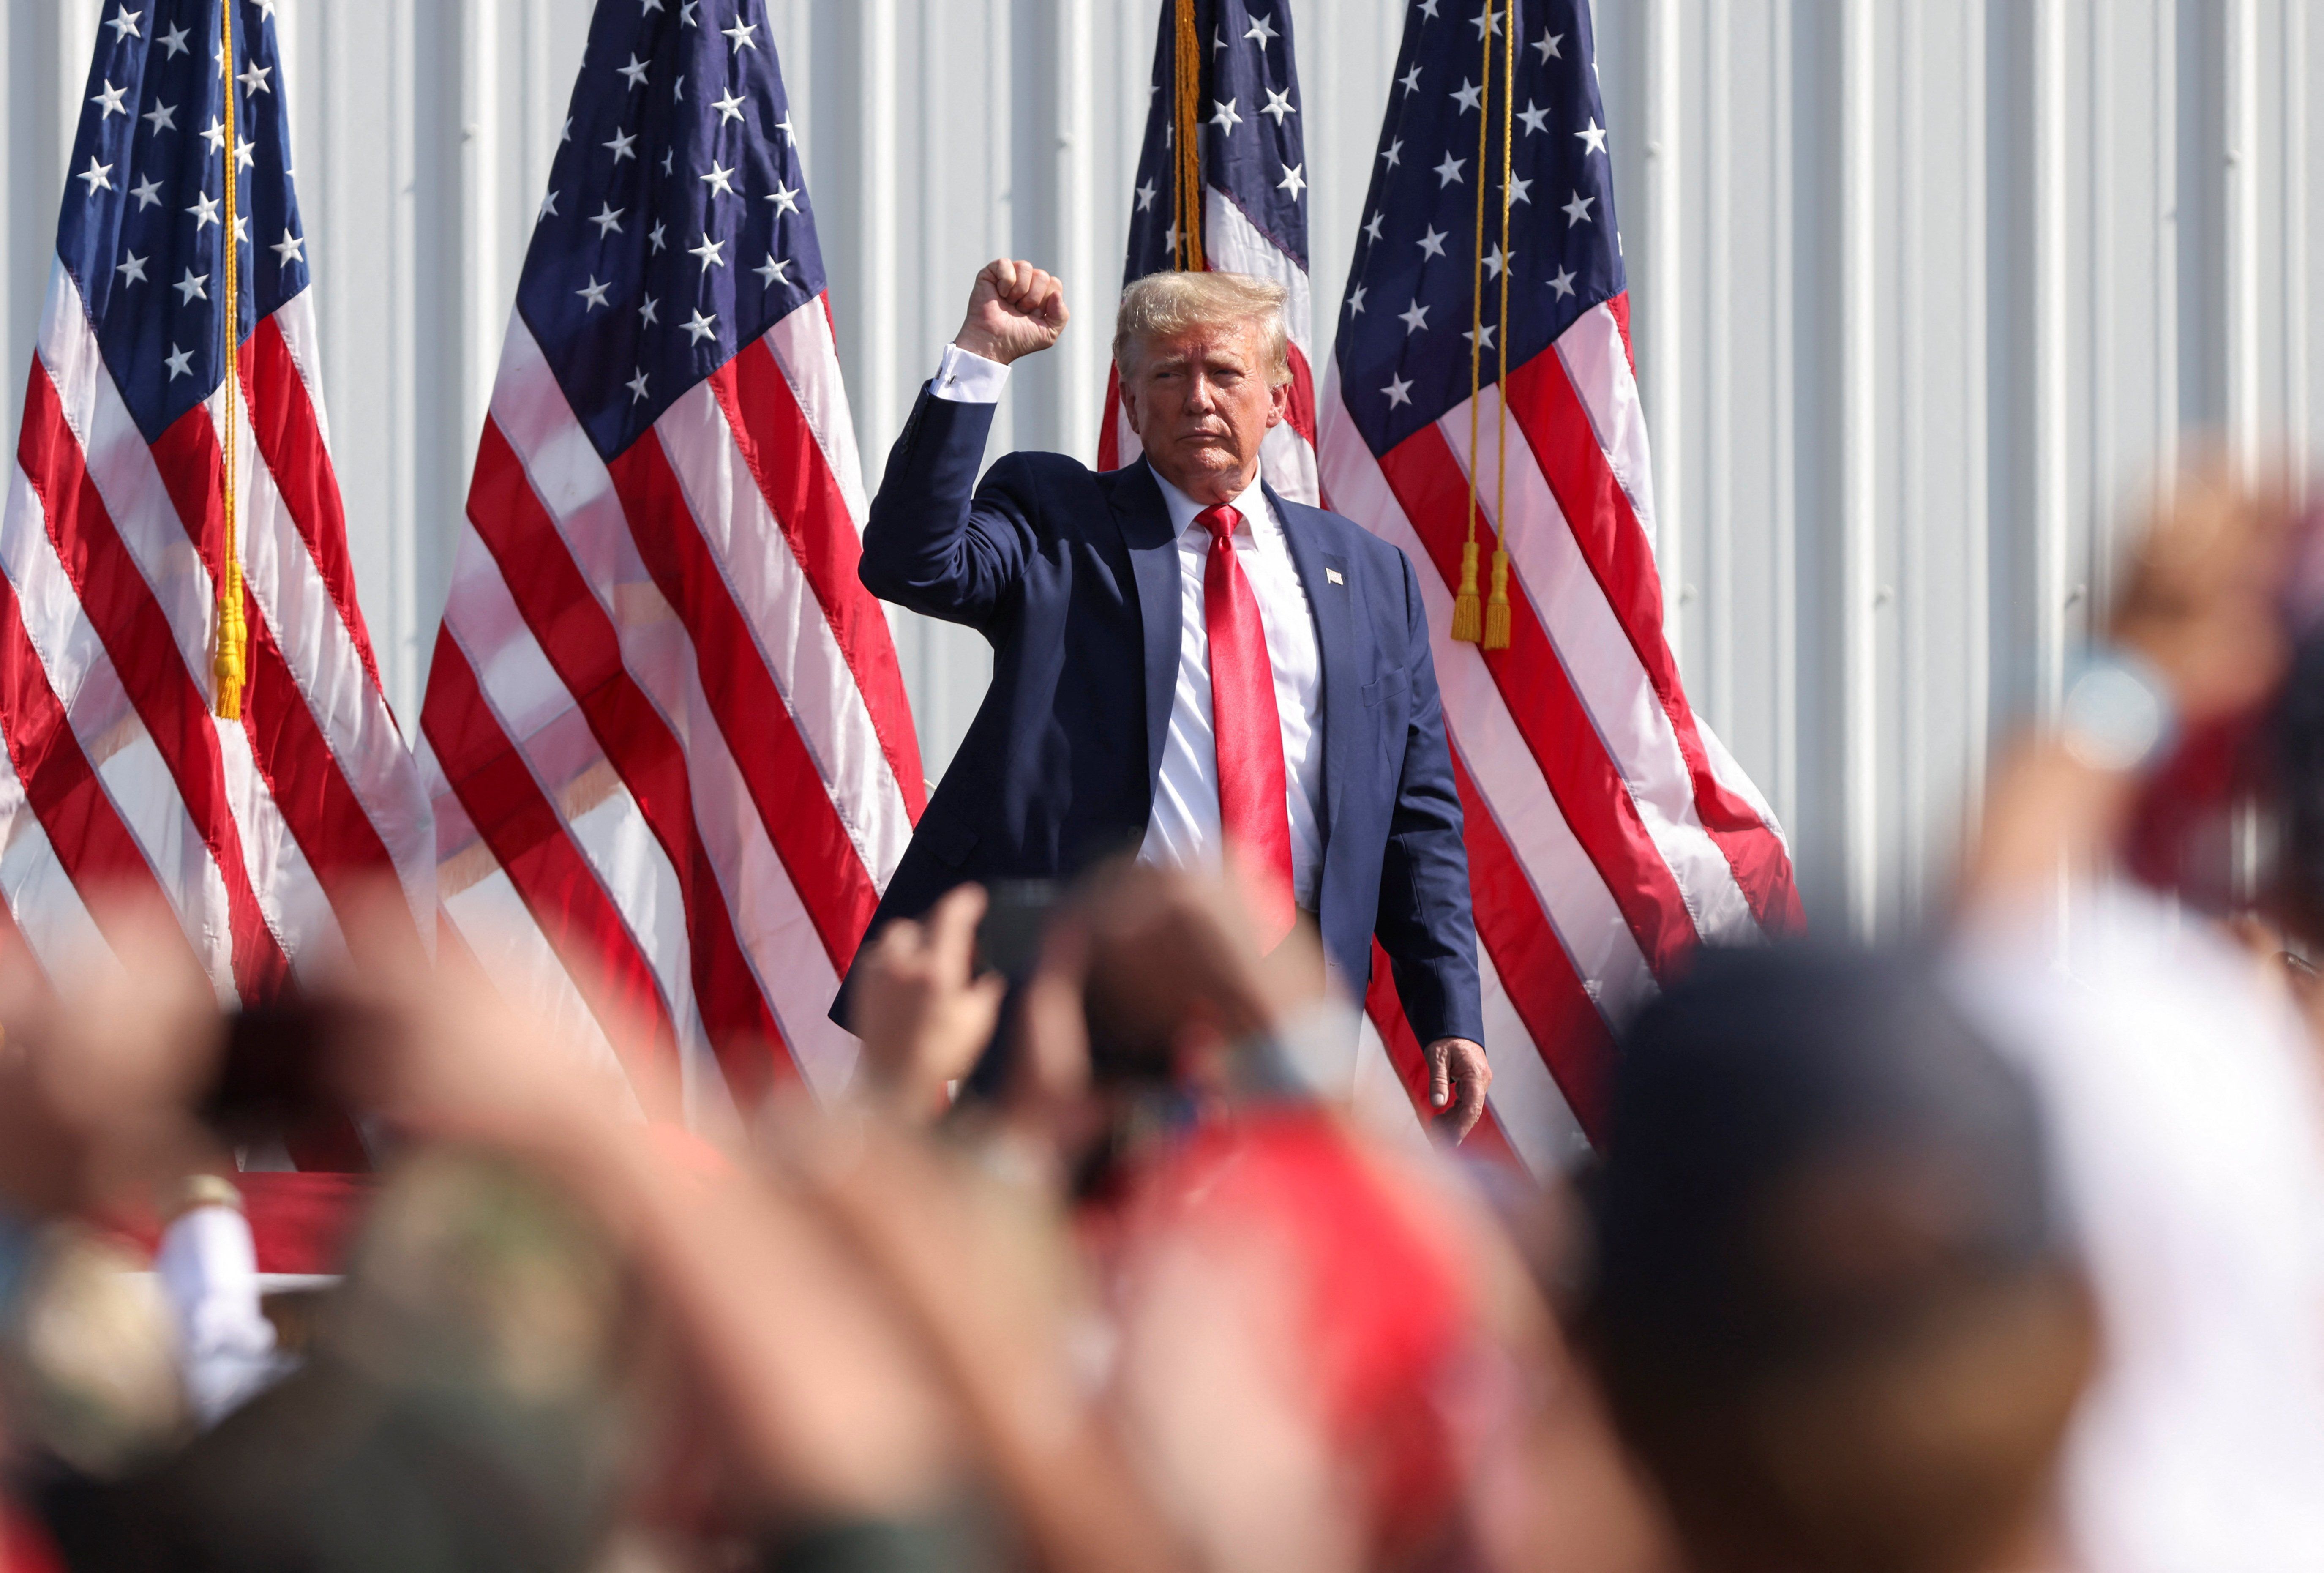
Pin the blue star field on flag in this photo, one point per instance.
(1252, 149)
(143, 224)
(1403, 345)
(677, 227)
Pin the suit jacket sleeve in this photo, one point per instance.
(1425, 924)
(935, 540)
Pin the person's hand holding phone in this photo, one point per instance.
(922, 1013)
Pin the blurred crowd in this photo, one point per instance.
(1999, 1253)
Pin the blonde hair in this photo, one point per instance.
(1162, 304)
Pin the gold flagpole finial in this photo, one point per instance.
(229, 667)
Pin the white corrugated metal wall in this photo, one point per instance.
(1922, 287)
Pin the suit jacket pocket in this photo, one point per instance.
(1385, 708)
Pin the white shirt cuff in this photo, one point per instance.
(965, 377)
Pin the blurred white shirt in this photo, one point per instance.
(208, 1267)
(2188, 1118)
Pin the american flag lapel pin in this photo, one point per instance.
(1332, 576)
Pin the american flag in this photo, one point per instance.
(255, 831)
(1251, 195)
(665, 731)
(1609, 831)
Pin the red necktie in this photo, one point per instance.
(1252, 813)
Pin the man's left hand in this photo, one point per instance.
(1458, 1077)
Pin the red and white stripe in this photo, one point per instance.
(665, 733)
(257, 832)
(1609, 832)
(1232, 245)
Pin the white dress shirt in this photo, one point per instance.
(1184, 828)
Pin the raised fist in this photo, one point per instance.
(1015, 310)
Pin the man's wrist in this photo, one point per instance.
(983, 346)
(965, 376)
(1454, 1035)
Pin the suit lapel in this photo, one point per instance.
(1323, 575)
(1145, 524)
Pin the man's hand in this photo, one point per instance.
(2203, 589)
(1458, 1077)
(922, 1013)
(1015, 310)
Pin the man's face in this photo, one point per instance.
(1200, 403)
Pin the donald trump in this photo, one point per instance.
(1184, 662)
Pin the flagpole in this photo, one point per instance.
(233, 634)
(1187, 112)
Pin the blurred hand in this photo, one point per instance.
(923, 1014)
(1048, 1099)
(444, 1055)
(100, 1068)
(2202, 597)
(985, 1274)
(1014, 309)
(1458, 1076)
(1172, 951)
(2203, 601)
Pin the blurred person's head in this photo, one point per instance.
(1832, 1310)
(1170, 1014)
(1176, 991)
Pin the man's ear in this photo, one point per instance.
(1279, 405)
(1129, 400)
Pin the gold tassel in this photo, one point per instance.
(233, 637)
(234, 633)
(1468, 621)
(1497, 610)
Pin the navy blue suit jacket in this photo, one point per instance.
(1073, 576)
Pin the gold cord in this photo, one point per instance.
(234, 634)
(1496, 609)
(1468, 606)
(1187, 198)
